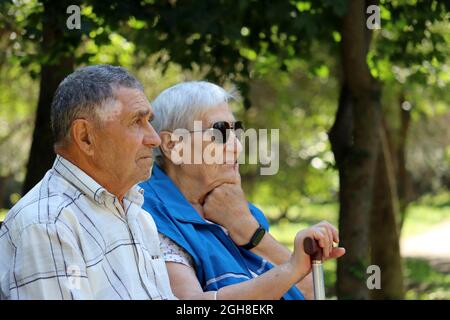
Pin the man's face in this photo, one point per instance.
(124, 141)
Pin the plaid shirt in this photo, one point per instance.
(69, 238)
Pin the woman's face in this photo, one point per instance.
(218, 160)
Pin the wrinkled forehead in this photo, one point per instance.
(128, 103)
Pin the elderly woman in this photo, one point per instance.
(215, 244)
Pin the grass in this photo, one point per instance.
(420, 218)
(426, 281)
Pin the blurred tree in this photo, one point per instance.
(17, 97)
(57, 54)
(57, 60)
(412, 38)
(354, 139)
(301, 105)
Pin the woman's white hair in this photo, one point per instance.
(178, 106)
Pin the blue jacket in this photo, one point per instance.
(218, 261)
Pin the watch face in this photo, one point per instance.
(256, 238)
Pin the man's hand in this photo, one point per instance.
(226, 205)
(325, 234)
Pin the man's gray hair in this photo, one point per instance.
(180, 105)
(84, 93)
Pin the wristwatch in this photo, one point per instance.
(255, 239)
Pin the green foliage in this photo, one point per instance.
(412, 48)
(440, 199)
(3, 213)
(301, 105)
(427, 280)
(422, 217)
(225, 39)
(18, 103)
(285, 49)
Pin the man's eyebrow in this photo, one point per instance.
(142, 113)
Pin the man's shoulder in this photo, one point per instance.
(42, 204)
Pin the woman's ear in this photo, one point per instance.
(82, 135)
(170, 146)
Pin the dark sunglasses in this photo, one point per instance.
(221, 130)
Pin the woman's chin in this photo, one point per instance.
(229, 171)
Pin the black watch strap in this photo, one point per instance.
(255, 239)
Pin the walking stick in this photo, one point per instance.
(313, 249)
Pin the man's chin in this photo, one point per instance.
(142, 179)
(146, 172)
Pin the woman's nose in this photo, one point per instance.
(233, 144)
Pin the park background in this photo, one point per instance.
(363, 113)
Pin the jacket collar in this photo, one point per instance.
(169, 194)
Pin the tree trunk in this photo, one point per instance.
(385, 226)
(404, 177)
(354, 139)
(58, 44)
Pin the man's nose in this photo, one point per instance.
(151, 137)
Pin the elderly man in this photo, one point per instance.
(80, 233)
(216, 245)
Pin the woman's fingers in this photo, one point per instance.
(330, 227)
(333, 233)
(337, 252)
(322, 236)
(326, 235)
(333, 229)
(327, 231)
(325, 227)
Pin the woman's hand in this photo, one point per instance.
(226, 205)
(325, 234)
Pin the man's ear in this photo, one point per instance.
(82, 135)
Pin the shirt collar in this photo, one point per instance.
(169, 194)
(88, 186)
